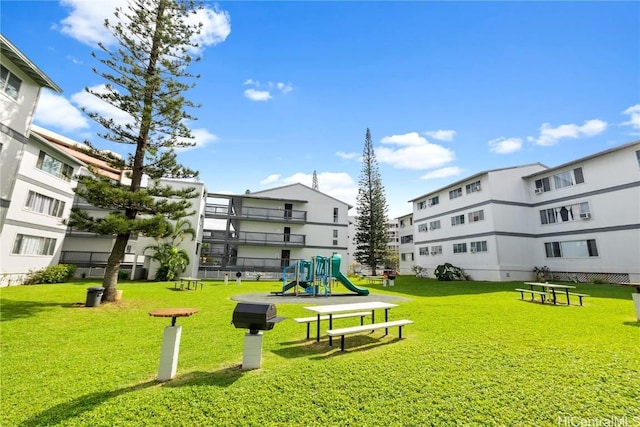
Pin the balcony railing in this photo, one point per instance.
(245, 263)
(90, 259)
(255, 238)
(263, 214)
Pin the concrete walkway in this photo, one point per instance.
(318, 300)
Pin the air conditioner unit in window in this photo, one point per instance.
(473, 250)
(477, 187)
(539, 190)
(429, 203)
(585, 215)
(434, 253)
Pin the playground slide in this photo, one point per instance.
(349, 285)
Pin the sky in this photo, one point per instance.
(447, 89)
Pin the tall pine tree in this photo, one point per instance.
(146, 77)
(371, 232)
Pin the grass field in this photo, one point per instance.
(476, 355)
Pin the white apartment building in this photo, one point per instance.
(265, 231)
(581, 219)
(36, 177)
(406, 256)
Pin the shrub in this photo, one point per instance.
(123, 275)
(449, 272)
(419, 271)
(59, 273)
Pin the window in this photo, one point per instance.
(9, 83)
(422, 205)
(44, 204)
(459, 248)
(436, 250)
(422, 228)
(476, 216)
(407, 256)
(542, 185)
(457, 220)
(473, 187)
(562, 180)
(335, 242)
(478, 246)
(571, 249)
(335, 234)
(402, 223)
(574, 212)
(433, 201)
(638, 157)
(33, 245)
(335, 214)
(423, 250)
(406, 239)
(54, 166)
(453, 194)
(433, 225)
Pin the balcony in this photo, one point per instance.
(211, 263)
(257, 214)
(95, 259)
(255, 238)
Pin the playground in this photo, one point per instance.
(476, 355)
(316, 277)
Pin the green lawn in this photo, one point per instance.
(476, 355)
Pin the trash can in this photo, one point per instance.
(94, 296)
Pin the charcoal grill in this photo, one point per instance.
(255, 317)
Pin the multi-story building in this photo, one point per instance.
(267, 230)
(406, 256)
(581, 219)
(36, 177)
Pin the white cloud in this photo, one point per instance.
(505, 145)
(94, 104)
(415, 153)
(57, 112)
(634, 117)
(201, 137)
(411, 138)
(550, 136)
(284, 87)
(85, 22)
(441, 135)
(347, 156)
(257, 95)
(443, 173)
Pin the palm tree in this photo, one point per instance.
(173, 259)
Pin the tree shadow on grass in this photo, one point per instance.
(13, 310)
(305, 349)
(76, 407)
(636, 324)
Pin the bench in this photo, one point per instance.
(578, 295)
(363, 328)
(309, 320)
(543, 295)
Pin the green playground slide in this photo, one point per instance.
(335, 268)
(349, 285)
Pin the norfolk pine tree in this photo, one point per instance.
(371, 232)
(146, 77)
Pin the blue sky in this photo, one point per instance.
(447, 89)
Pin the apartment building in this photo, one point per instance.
(36, 177)
(265, 231)
(581, 219)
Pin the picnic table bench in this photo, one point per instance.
(309, 320)
(369, 327)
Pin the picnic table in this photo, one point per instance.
(188, 281)
(344, 308)
(551, 287)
